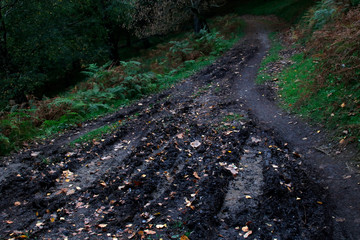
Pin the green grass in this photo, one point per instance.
(332, 105)
(233, 117)
(94, 136)
(272, 56)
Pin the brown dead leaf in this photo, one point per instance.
(245, 229)
(9, 222)
(149, 232)
(180, 136)
(246, 235)
(187, 202)
(195, 144)
(233, 169)
(17, 203)
(196, 175)
(70, 192)
(63, 190)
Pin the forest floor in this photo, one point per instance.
(211, 158)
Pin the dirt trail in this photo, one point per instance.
(204, 159)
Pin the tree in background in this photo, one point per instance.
(43, 42)
(162, 16)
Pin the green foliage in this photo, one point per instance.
(15, 128)
(210, 43)
(320, 14)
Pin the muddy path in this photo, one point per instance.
(201, 160)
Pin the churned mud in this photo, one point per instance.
(201, 160)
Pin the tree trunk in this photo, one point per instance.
(199, 22)
(4, 54)
(114, 38)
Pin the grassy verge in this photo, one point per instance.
(334, 104)
(110, 87)
(272, 57)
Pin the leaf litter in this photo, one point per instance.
(168, 178)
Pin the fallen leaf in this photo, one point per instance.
(180, 136)
(195, 144)
(245, 229)
(35, 154)
(247, 234)
(39, 224)
(248, 197)
(343, 105)
(70, 192)
(184, 237)
(150, 232)
(233, 169)
(102, 225)
(161, 226)
(187, 202)
(63, 190)
(17, 203)
(9, 222)
(196, 175)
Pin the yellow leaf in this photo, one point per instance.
(17, 203)
(52, 220)
(343, 105)
(184, 237)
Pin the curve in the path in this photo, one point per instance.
(341, 180)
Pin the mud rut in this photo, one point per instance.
(192, 161)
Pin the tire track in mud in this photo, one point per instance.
(194, 162)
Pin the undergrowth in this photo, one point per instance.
(110, 87)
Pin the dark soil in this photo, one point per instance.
(206, 159)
